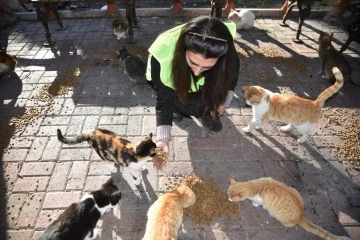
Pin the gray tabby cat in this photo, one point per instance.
(119, 28)
(134, 66)
(330, 57)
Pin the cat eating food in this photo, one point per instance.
(7, 63)
(113, 148)
(134, 66)
(78, 221)
(243, 19)
(119, 28)
(281, 201)
(165, 215)
(330, 57)
(295, 111)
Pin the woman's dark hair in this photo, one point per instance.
(219, 77)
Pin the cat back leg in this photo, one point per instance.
(135, 173)
(286, 128)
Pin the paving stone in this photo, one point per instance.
(55, 200)
(74, 154)
(19, 234)
(52, 149)
(15, 155)
(37, 148)
(58, 179)
(30, 210)
(37, 169)
(32, 184)
(46, 217)
(77, 175)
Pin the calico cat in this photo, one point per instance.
(119, 28)
(330, 57)
(296, 111)
(7, 63)
(134, 66)
(78, 221)
(116, 149)
(243, 19)
(165, 215)
(281, 201)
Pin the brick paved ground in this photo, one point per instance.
(40, 176)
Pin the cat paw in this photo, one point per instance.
(301, 139)
(255, 204)
(143, 168)
(285, 128)
(258, 127)
(246, 129)
(114, 169)
(137, 182)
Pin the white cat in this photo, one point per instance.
(243, 19)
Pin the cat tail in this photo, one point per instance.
(318, 231)
(86, 136)
(332, 89)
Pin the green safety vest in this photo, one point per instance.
(163, 50)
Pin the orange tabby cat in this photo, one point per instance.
(165, 215)
(296, 111)
(282, 202)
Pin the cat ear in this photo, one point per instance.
(149, 137)
(331, 35)
(232, 181)
(109, 182)
(183, 183)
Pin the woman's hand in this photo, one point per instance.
(164, 144)
(221, 110)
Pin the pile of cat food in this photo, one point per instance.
(346, 124)
(61, 86)
(210, 202)
(160, 156)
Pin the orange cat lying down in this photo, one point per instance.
(295, 111)
(282, 202)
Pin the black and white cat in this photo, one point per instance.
(78, 221)
(134, 66)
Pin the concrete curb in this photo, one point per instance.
(166, 12)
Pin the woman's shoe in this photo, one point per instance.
(208, 122)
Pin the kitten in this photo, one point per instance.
(119, 28)
(243, 19)
(330, 57)
(134, 66)
(282, 202)
(7, 63)
(165, 215)
(296, 111)
(116, 149)
(78, 221)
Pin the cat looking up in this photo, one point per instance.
(119, 28)
(330, 57)
(165, 215)
(78, 221)
(281, 201)
(295, 111)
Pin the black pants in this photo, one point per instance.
(195, 108)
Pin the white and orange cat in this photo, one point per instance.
(297, 112)
(281, 201)
(165, 215)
